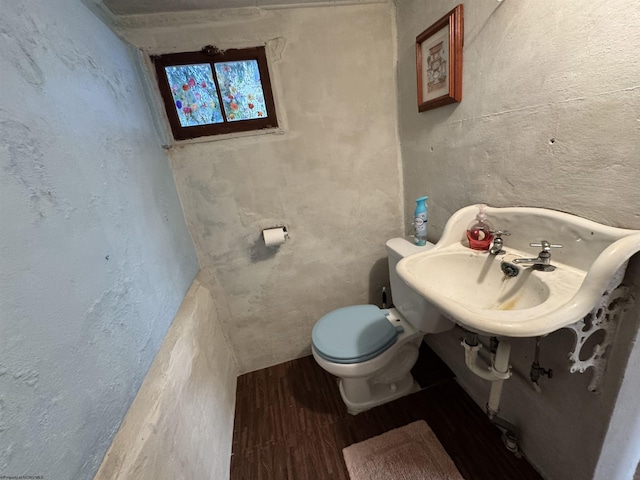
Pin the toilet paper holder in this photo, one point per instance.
(275, 236)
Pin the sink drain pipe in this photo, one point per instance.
(496, 373)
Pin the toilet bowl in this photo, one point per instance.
(372, 350)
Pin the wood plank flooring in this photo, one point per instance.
(290, 424)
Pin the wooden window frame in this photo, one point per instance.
(212, 55)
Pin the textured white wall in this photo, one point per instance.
(621, 450)
(333, 176)
(549, 118)
(180, 424)
(94, 252)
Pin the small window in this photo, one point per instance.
(213, 92)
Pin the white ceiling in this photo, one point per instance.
(134, 7)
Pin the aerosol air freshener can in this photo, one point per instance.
(420, 221)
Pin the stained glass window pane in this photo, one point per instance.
(194, 94)
(241, 90)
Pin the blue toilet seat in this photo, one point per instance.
(353, 334)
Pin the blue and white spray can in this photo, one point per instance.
(420, 222)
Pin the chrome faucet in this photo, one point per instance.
(496, 247)
(543, 261)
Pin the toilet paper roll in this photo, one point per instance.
(274, 237)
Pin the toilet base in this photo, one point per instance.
(377, 394)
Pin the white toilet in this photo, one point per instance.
(371, 350)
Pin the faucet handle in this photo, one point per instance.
(546, 246)
(500, 233)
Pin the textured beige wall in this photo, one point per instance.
(533, 71)
(180, 424)
(549, 118)
(332, 176)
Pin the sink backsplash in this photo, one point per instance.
(583, 240)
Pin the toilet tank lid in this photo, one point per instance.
(404, 246)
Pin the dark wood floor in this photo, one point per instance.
(291, 424)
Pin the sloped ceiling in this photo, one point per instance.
(139, 7)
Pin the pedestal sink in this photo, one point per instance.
(470, 288)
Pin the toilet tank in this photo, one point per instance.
(414, 308)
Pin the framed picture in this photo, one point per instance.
(439, 61)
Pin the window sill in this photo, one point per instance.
(226, 136)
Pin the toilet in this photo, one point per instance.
(372, 350)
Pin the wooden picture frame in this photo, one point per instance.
(439, 61)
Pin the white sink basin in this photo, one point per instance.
(470, 288)
(483, 284)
